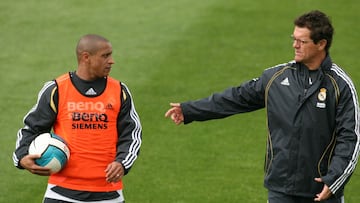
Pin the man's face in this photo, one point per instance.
(100, 62)
(306, 51)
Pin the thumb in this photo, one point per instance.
(175, 104)
(34, 156)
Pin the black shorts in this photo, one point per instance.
(278, 197)
(49, 200)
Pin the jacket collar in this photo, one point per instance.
(325, 65)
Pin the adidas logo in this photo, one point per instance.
(108, 106)
(285, 82)
(90, 91)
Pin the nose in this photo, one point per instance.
(111, 60)
(296, 44)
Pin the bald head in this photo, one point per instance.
(90, 43)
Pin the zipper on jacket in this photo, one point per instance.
(305, 91)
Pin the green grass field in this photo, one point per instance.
(165, 51)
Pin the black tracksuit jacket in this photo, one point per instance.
(312, 120)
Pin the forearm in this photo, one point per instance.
(38, 120)
(346, 151)
(219, 105)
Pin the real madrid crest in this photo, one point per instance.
(322, 94)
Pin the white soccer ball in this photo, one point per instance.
(53, 150)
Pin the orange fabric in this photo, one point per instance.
(89, 126)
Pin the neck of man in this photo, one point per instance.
(84, 74)
(316, 62)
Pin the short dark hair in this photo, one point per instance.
(319, 25)
(89, 43)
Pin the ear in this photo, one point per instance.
(85, 56)
(322, 44)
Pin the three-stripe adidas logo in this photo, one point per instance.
(285, 82)
(90, 91)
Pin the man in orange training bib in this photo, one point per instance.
(96, 116)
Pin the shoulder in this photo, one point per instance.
(338, 73)
(125, 88)
(48, 88)
(341, 78)
(279, 69)
(64, 76)
(111, 79)
(125, 91)
(48, 95)
(282, 66)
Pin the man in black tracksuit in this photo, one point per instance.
(312, 116)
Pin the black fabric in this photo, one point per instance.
(48, 200)
(85, 195)
(278, 197)
(311, 126)
(82, 85)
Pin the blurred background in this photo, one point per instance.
(165, 51)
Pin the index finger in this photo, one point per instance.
(169, 112)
